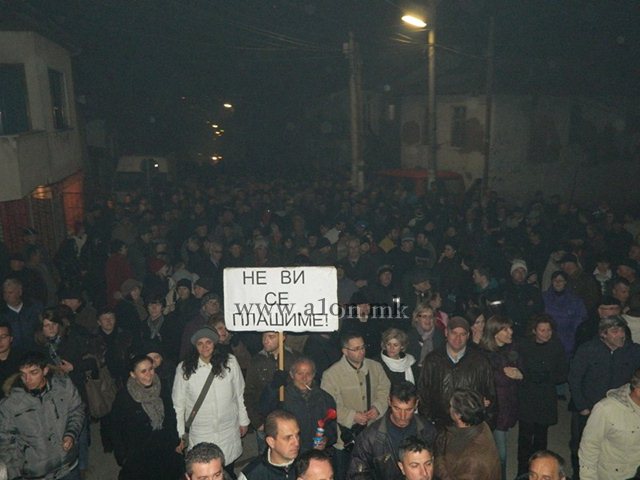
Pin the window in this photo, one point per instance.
(459, 127)
(58, 99)
(13, 100)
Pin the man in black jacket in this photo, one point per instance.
(599, 365)
(454, 366)
(283, 440)
(376, 452)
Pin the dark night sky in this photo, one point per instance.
(137, 58)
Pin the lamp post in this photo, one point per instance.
(431, 77)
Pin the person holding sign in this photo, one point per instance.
(361, 391)
(262, 372)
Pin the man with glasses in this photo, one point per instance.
(361, 390)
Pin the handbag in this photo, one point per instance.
(101, 390)
(194, 410)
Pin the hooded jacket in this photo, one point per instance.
(609, 446)
(32, 428)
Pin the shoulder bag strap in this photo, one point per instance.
(198, 404)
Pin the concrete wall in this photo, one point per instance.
(43, 155)
(537, 144)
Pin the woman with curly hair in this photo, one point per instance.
(222, 418)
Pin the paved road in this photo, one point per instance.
(104, 467)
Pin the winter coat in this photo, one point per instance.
(595, 369)
(568, 312)
(222, 411)
(32, 429)
(259, 374)
(374, 455)
(609, 447)
(348, 388)
(144, 453)
(23, 324)
(467, 454)
(506, 388)
(543, 366)
(261, 469)
(308, 410)
(522, 301)
(440, 377)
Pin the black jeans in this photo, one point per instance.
(578, 422)
(531, 438)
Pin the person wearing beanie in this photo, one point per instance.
(521, 300)
(222, 418)
(210, 310)
(157, 280)
(605, 362)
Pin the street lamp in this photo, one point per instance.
(431, 76)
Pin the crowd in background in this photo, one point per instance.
(138, 287)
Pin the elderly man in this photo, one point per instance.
(22, 314)
(609, 447)
(454, 366)
(376, 453)
(603, 363)
(546, 465)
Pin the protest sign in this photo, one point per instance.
(293, 299)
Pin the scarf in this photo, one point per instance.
(426, 339)
(402, 364)
(150, 399)
(155, 326)
(53, 345)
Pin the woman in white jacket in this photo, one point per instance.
(222, 419)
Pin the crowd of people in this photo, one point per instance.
(463, 316)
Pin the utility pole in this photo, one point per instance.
(433, 134)
(488, 105)
(355, 108)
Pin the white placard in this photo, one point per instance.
(293, 299)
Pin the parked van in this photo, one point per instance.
(140, 172)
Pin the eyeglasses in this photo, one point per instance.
(360, 348)
(4, 336)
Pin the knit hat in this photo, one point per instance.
(184, 282)
(129, 286)
(205, 282)
(208, 297)
(205, 332)
(519, 264)
(569, 258)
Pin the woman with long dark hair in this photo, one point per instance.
(222, 418)
(144, 426)
(506, 363)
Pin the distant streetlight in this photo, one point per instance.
(227, 106)
(414, 21)
(431, 76)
